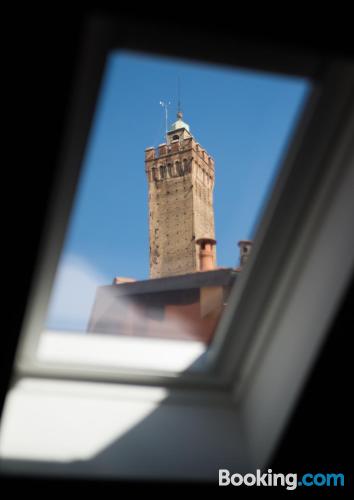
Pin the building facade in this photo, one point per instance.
(180, 176)
(183, 307)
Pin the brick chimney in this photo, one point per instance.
(206, 253)
(245, 250)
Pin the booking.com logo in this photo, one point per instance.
(290, 481)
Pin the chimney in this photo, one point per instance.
(245, 250)
(206, 253)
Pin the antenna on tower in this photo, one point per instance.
(165, 105)
(179, 95)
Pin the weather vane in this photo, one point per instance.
(165, 105)
(179, 95)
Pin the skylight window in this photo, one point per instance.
(167, 206)
(251, 281)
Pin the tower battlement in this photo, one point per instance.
(176, 146)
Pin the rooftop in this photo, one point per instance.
(214, 277)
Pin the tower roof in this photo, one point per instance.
(179, 123)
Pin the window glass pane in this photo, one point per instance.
(180, 160)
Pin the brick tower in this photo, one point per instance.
(181, 180)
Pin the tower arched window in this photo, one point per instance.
(179, 168)
(169, 169)
(163, 171)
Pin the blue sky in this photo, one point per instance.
(243, 119)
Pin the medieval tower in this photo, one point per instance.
(180, 175)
